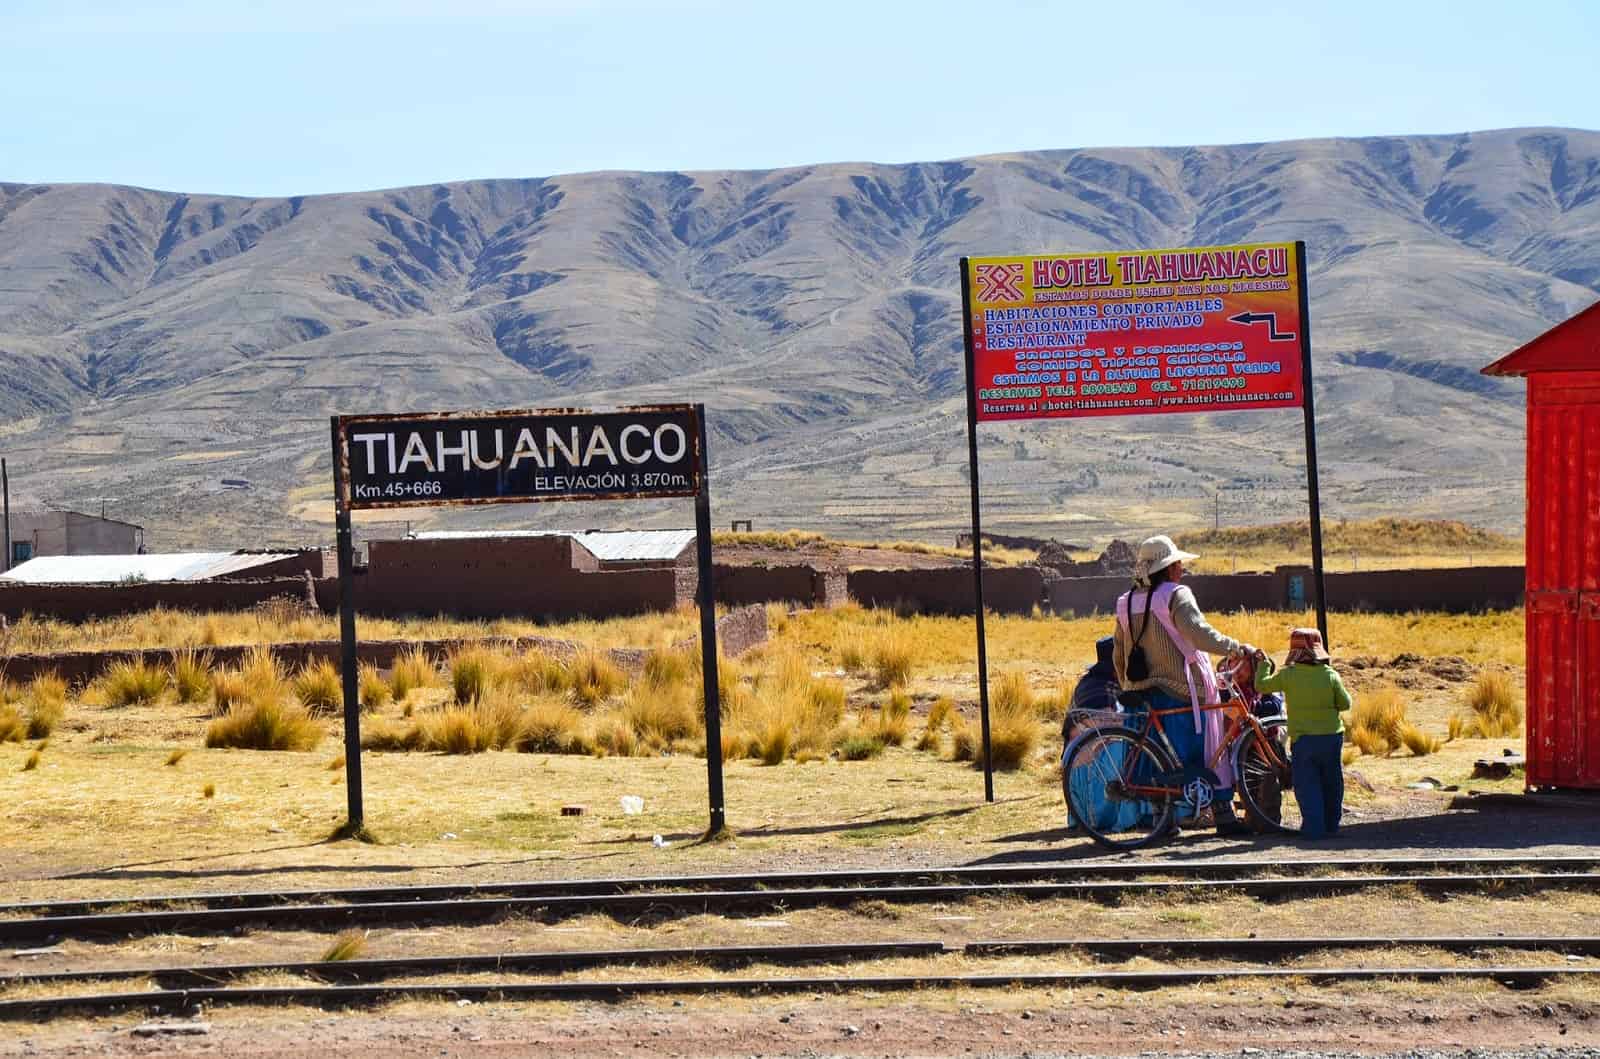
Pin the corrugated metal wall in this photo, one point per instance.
(1563, 671)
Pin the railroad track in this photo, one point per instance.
(1106, 870)
(367, 981)
(29, 924)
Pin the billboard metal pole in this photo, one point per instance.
(344, 540)
(1309, 404)
(708, 633)
(977, 528)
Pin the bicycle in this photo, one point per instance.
(1123, 782)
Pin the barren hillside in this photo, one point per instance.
(153, 344)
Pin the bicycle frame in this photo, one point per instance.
(1239, 721)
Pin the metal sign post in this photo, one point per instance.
(977, 535)
(345, 545)
(455, 458)
(1310, 407)
(708, 635)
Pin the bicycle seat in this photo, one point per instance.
(1134, 699)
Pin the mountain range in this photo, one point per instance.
(174, 357)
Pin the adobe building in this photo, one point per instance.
(533, 573)
(39, 532)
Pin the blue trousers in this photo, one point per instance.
(1319, 783)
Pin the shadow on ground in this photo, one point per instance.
(1492, 830)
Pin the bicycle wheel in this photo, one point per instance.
(1264, 787)
(1101, 764)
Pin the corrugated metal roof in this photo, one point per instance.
(1571, 345)
(172, 566)
(609, 546)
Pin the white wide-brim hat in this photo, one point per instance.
(1156, 554)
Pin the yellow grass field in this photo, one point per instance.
(839, 733)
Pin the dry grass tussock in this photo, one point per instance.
(1496, 706)
(483, 725)
(348, 945)
(1013, 723)
(933, 729)
(258, 679)
(893, 653)
(660, 716)
(496, 721)
(473, 671)
(131, 683)
(590, 677)
(270, 724)
(191, 676)
(13, 726)
(966, 740)
(783, 712)
(1014, 729)
(1379, 726)
(412, 671)
(256, 708)
(595, 677)
(553, 727)
(373, 691)
(45, 703)
(319, 687)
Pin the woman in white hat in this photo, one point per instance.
(1167, 659)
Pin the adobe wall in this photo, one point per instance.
(1290, 588)
(1458, 590)
(948, 590)
(739, 630)
(80, 602)
(805, 585)
(545, 577)
(1098, 595)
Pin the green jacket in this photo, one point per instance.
(1313, 694)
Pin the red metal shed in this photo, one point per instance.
(1562, 367)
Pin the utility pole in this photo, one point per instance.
(1217, 520)
(5, 488)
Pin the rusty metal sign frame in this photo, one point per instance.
(700, 490)
(342, 453)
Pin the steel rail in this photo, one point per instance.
(372, 970)
(323, 917)
(348, 995)
(1122, 869)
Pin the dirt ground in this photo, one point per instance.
(1288, 1018)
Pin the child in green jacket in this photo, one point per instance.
(1314, 697)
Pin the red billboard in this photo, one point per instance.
(1137, 332)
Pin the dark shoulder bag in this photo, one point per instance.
(1138, 664)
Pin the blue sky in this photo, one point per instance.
(232, 96)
